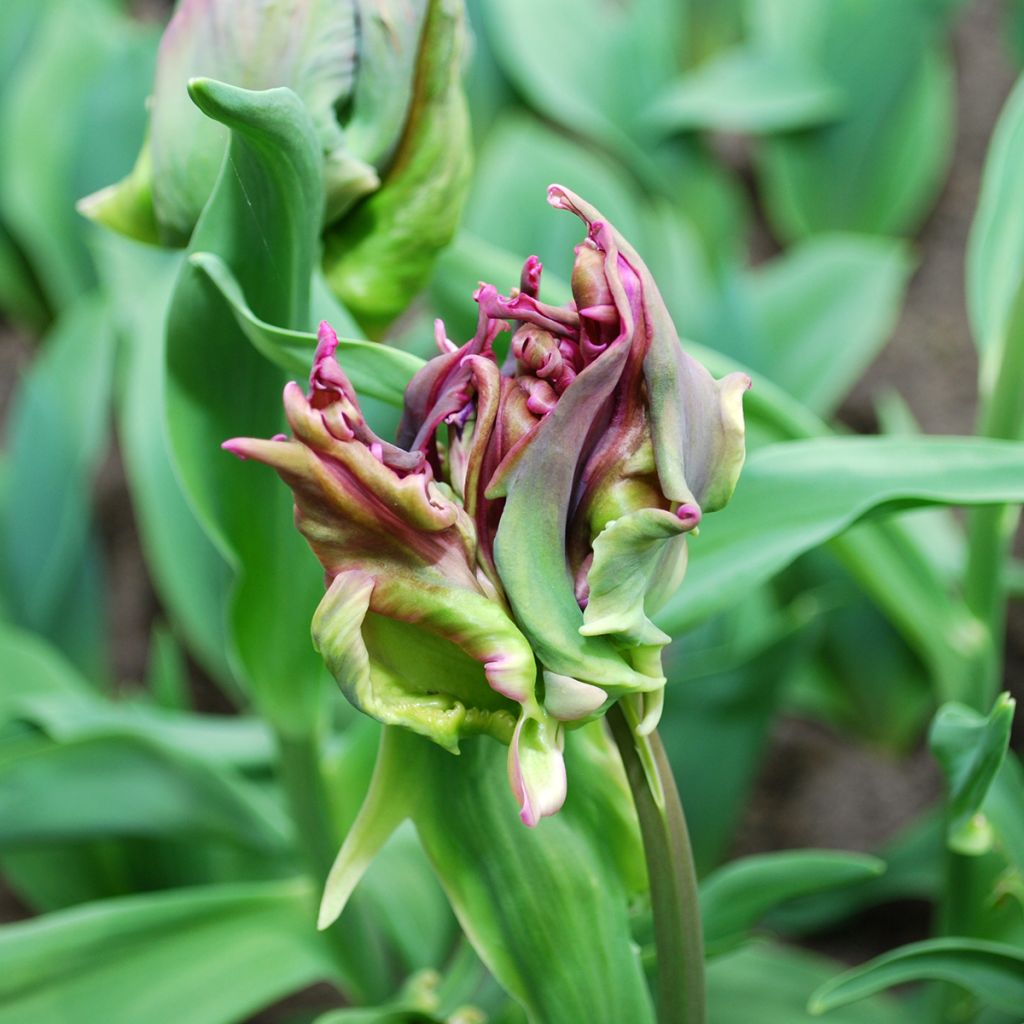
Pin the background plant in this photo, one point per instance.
(175, 855)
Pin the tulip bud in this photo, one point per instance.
(381, 83)
(540, 528)
(412, 631)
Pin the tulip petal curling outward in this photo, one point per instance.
(530, 520)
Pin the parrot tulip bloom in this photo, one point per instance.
(530, 520)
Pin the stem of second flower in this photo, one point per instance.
(670, 869)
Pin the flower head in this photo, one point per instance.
(530, 520)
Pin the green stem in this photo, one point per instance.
(354, 942)
(673, 878)
(991, 527)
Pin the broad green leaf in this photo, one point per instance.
(793, 497)
(746, 90)
(128, 785)
(531, 899)
(216, 953)
(992, 971)
(262, 221)
(378, 371)
(770, 984)
(43, 689)
(189, 573)
(57, 434)
(915, 864)
(87, 78)
(995, 255)
(527, 899)
(823, 312)
(970, 749)
(879, 167)
(735, 897)
(588, 69)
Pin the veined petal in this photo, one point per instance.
(632, 556)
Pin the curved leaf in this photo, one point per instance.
(128, 785)
(769, 984)
(221, 951)
(793, 497)
(970, 749)
(262, 221)
(735, 897)
(746, 90)
(527, 899)
(992, 971)
(191, 576)
(995, 255)
(879, 167)
(374, 369)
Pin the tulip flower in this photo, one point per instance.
(496, 570)
(381, 82)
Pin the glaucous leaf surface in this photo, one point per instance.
(262, 221)
(222, 952)
(823, 311)
(995, 256)
(735, 897)
(994, 972)
(85, 75)
(795, 496)
(770, 984)
(742, 89)
(879, 166)
(191, 576)
(56, 436)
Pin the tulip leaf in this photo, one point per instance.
(995, 256)
(222, 951)
(189, 573)
(374, 370)
(128, 785)
(262, 220)
(745, 90)
(793, 497)
(58, 432)
(824, 310)
(770, 984)
(89, 69)
(526, 898)
(994, 972)
(735, 897)
(531, 899)
(879, 167)
(970, 749)
(589, 74)
(44, 689)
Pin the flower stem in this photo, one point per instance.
(673, 878)
(991, 527)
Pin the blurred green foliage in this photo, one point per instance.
(174, 856)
